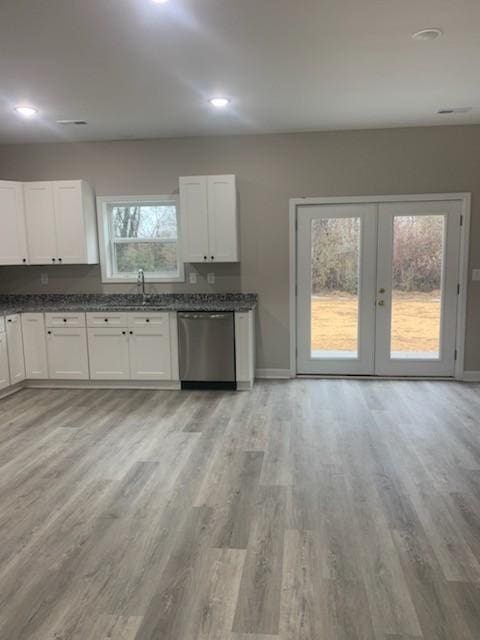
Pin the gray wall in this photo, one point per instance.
(270, 169)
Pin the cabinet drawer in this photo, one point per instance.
(65, 319)
(2, 324)
(107, 320)
(14, 318)
(154, 319)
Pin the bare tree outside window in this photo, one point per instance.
(144, 236)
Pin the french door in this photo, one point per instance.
(377, 288)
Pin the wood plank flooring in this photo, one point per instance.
(304, 510)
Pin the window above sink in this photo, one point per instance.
(139, 232)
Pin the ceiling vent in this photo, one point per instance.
(454, 110)
(71, 122)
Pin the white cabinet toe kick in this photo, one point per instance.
(104, 350)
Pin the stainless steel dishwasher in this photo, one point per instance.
(207, 350)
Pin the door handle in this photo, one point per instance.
(381, 303)
(381, 290)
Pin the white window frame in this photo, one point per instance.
(106, 244)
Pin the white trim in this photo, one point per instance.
(463, 278)
(102, 384)
(9, 391)
(104, 241)
(471, 376)
(294, 203)
(273, 374)
(464, 197)
(386, 198)
(244, 386)
(372, 378)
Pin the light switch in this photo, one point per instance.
(44, 278)
(192, 277)
(476, 274)
(211, 278)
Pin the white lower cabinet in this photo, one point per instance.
(4, 371)
(245, 348)
(67, 353)
(108, 353)
(13, 327)
(75, 346)
(150, 353)
(34, 346)
(139, 349)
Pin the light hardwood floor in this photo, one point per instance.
(306, 509)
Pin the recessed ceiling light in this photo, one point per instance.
(160, 1)
(26, 111)
(428, 34)
(219, 102)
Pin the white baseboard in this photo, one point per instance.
(471, 376)
(102, 384)
(4, 393)
(273, 374)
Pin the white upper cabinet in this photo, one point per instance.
(13, 236)
(61, 224)
(194, 218)
(209, 219)
(75, 222)
(222, 219)
(40, 219)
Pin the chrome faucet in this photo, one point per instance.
(141, 283)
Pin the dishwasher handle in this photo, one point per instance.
(203, 315)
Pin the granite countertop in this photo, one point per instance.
(127, 302)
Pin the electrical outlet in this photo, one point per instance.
(211, 278)
(44, 278)
(476, 274)
(192, 277)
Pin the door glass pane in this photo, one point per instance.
(335, 283)
(418, 246)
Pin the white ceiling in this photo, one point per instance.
(135, 69)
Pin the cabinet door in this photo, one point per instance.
(150, 353)
(4, 371)
(15, 348)
(222, 219)
(34, 345)
(13, 235)
(40, 220)
(69, 222)
(108, 354)
(67, 354)
(194, 218)
(245, 347)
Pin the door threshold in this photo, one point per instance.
(331, 376)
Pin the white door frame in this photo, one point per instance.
(464, 198)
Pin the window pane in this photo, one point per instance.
(150, 256)
(144, 221)
(417, 286)
(335, 281)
